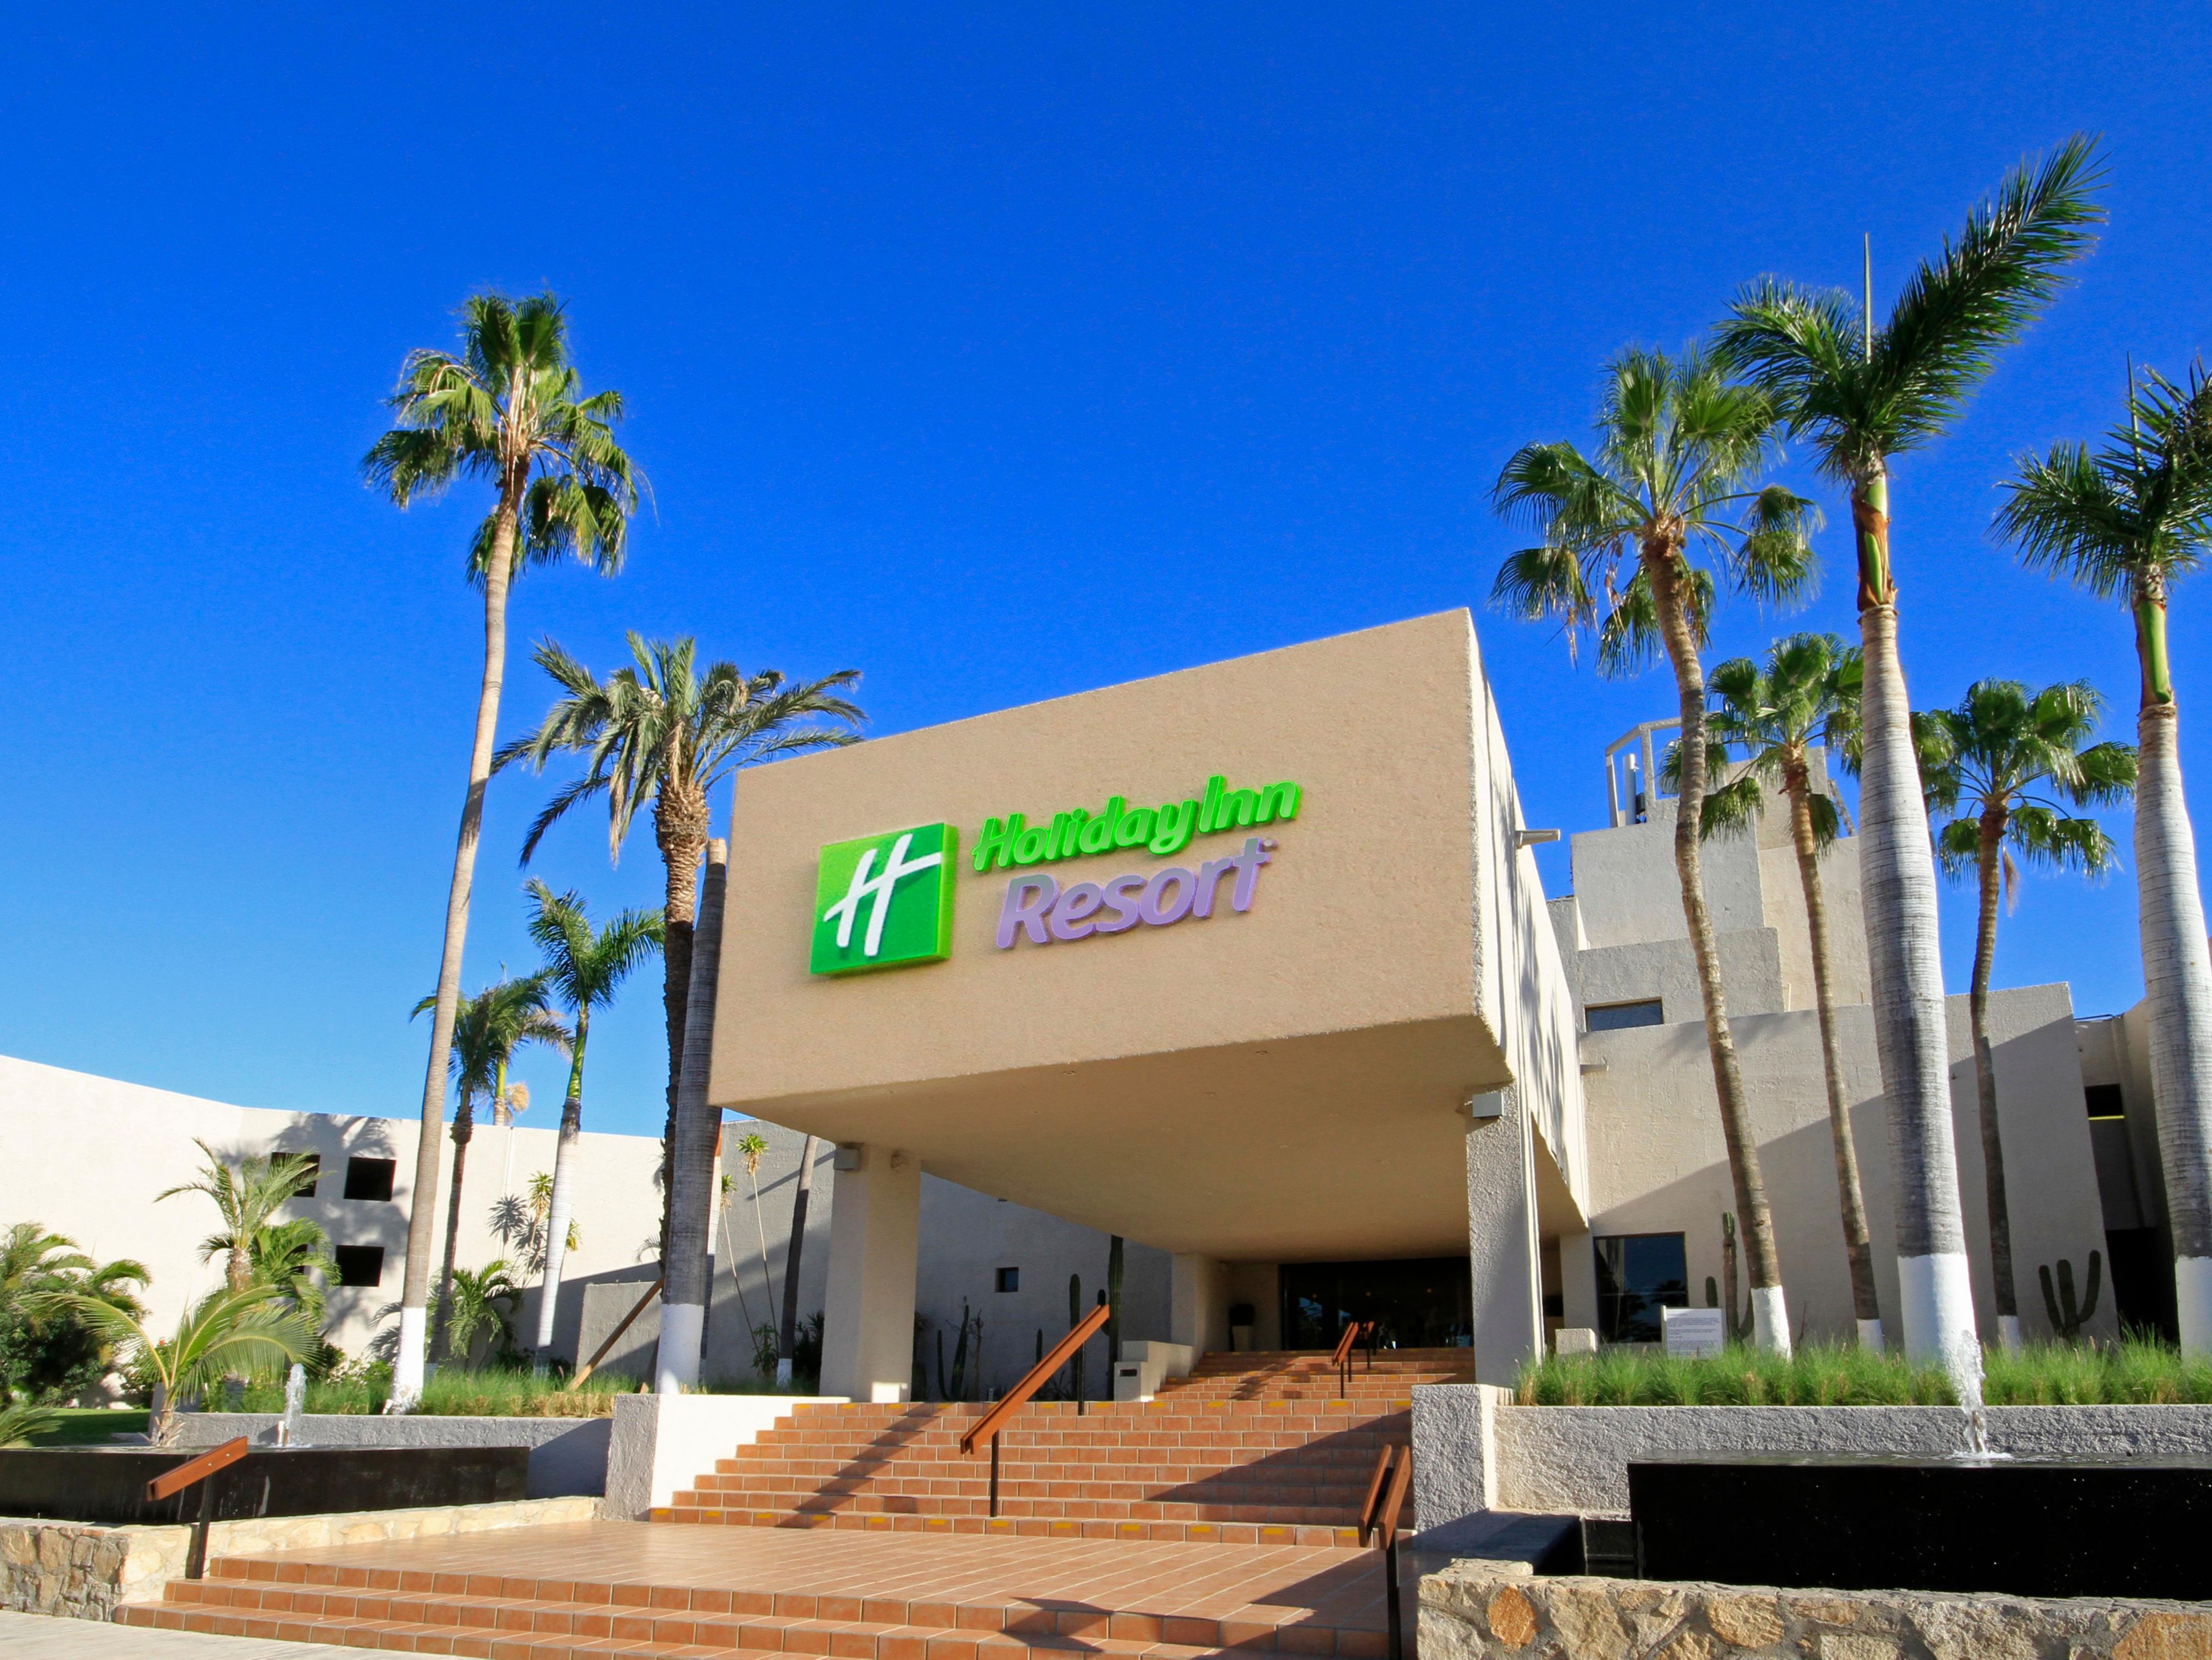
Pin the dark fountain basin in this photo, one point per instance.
(108, 1484)
(2029, 1527)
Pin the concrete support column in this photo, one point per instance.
(1197, 1305)
(875, 1231)
(1579, 1280)
(1502, 1241)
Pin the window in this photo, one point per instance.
(2105, 1101)
(311, 1173)
(1010, 1279)
(1638, 1275)
(369, 1178)
(1619, 1017)
(360, 1265)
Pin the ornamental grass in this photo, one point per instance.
(2133, 1372)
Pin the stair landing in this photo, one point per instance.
(660, 1593)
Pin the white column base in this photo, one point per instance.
(2192, 1302)
(683, 1331)
(407, 1365)
(2008, 1335)
(783, 1374)
(1935, 1307)
(1770, 1320)
(1870, 1336)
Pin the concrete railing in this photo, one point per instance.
(664, 1443)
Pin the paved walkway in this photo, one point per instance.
(24, 1636)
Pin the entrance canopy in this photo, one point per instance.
(1244, 944)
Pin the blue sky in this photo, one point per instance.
(999, 353)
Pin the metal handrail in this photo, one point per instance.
(1342, 1358)
(1378, 1521)
(170, 1483)
(1037, 1377)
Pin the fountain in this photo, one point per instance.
(108, 1484)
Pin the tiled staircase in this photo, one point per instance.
(1250, 1450)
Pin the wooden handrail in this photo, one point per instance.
(1039, 1375)
(1378, 1484)
(1352, 1331)
(172, 1482)
(1378, 1524)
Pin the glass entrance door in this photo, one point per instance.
(1415, 1302)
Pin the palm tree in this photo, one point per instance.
(506, 409)
(584, 968)
(656, 728)
(2123, 523)
(752, 1148)
(247, 1197)
(229, 1332)
(478, 1303)
(287, 1256)
(1864, 395)
(1807, 694)
(487, 1029)
(1986, 760)
(42, 1354)
(1677, 443)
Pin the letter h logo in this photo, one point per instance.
(885, 900)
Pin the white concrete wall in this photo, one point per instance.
(86, 1155)
(1659, 1164)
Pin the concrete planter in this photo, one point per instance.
(662, 1443)
(1473, 1450)
(567, 1455)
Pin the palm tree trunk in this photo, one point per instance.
(2177, 982)
(760, 1230)
(1858, 1238)
(1769, 1308)
(557, 1208)
(1989, 871)
(788, 1332)
(691, 1193)
(1904, 961)
(679, 825)
(464, 1128)
(422, 1207)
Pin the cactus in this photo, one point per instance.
(967, 1364)
(1074, 1299)
(2066, 1319)
(1114, 1255)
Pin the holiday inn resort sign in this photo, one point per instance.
(885, 901)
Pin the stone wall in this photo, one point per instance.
(79, 1571)
(1478, 1611)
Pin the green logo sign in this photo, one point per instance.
(885, 900)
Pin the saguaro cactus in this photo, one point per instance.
(2066, 1319)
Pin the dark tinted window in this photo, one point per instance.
(2105, 1101)
(1618, 1017)
(1638, 1275)
(1010, 1279)
(360, 1265)
(369, 1178)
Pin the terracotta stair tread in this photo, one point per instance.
(1028, 1527)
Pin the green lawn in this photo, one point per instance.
(90, 1426)
(2132, 1373)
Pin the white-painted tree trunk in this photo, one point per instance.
(1898, 864)
(557, 1213)
(691, 1153)
(1870, 1337)
(1770, 1320)
(2178, 984)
